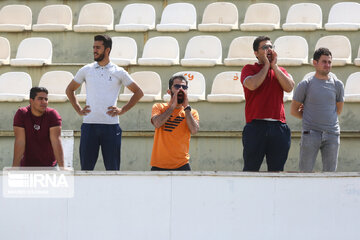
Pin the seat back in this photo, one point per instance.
(123, 47)
(221, 12)
(204, 46)
(96, 13)
(352, 85)
(291, 47)
(161, 47)
(15, 83)
(138, 13)
(56, 81)
(181, 13)
(304, 13)
(36, 47)
(55, 14)
(262, 13)
(227, 83)
(4, 49)
(148, 81)
(196, 82)
(345, 12)
(339, 45)
(16, 14)
(241, 47)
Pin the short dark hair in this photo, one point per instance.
(181, 77)
(35, 90)
(321, 51)
(106, 40)
(258, 40)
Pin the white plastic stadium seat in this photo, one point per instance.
(227, 87)
(339, 46)
(34, 51)
(261, 17)
(219, 17)
(291, 50)
(177, 17)
(344, 16)
(56, 82)
(303, 17)
(352, 88)
(196, 83)
(95, 17)
(54, 18)
(15, 86)
(357, 59)
(124, 51)
(160, 51)
(137, 17)
(81, 97)
(4, 51)
(241, 52)
(203, 51)
(150, 84)
(15, 18)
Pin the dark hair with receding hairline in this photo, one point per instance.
(258, 40)
(106, 40)
(35, 90)
(180, 77)
(321, 51)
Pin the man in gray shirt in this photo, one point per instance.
(318, 100)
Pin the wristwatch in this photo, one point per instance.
(187, 108)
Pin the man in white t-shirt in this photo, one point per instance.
(100, 127)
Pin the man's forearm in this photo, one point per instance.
(133, 100)
(193, 125)
(19, 149)
(161, 119)
(58, 151)
(287, 83)
(256, 80)
(72, 99)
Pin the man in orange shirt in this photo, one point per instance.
(174, 123)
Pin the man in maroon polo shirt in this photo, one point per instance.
(37, 131)
(266, 133)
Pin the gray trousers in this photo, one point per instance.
(311, 143)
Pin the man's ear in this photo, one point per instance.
(314, 62)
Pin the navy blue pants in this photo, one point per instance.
(108, 136)
(185, 167)
(265, 138)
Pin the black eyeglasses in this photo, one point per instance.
(178, 86)
(267, 46)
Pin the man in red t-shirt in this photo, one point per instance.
(266, 132)
(37, 131)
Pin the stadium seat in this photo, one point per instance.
(303, 17)
(4, 51)
(95, 17)
(160, 51)
(339, 46)
(81, 97)
(124, 51)
(241, 52)
(291, 50)
(15, 86)
(196, 83)
(150, 84)
(203, 51)
(352, 88)
(56, 82)
(219, 17)
(15, 18)
(227, 87)
(177, 17)
(54, 18)
(137, 17)
(34, 51)
(261, 17)
(344, 16)
(357, 59)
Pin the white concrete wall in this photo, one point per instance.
(211, 206)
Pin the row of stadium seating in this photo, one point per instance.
(201, 51)
(217, 16)
(226, 87)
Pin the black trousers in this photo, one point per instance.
(265, 138)
(185, 167)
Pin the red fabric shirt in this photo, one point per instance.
(267, 100)
(38, 149)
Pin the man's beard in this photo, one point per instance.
(179, 100)
(100, 58)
